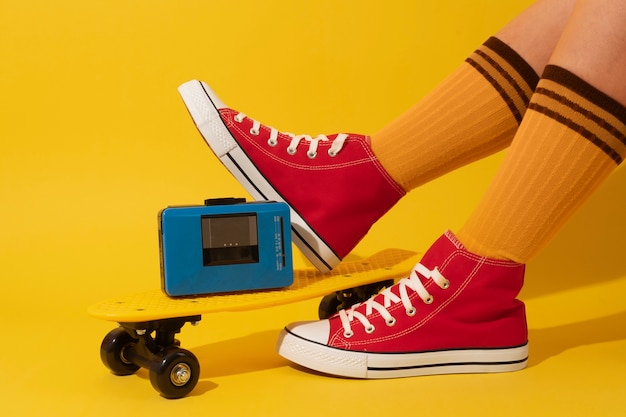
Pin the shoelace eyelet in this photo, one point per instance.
(291, 151)
(370, 329)
(311, 155)
(348, 335)
(446, 285)
(272, 143)
(254, 132)
(411, 311)
(332, 154)
(239, 118)
(391, 322)
(429, 300)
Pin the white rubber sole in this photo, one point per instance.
(366, 365)
(203, 106)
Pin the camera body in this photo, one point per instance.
(226, 245)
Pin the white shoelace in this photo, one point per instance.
(413, 282)
(334, 149)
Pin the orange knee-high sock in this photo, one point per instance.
(572, 137)
(473, 113)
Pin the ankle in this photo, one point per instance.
(478, 247)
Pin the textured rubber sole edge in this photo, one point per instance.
(365, 365)
(203, 109)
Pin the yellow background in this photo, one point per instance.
(95, 141)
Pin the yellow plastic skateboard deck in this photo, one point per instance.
(308, 283)
(150, 320)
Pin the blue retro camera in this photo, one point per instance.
(225, 245)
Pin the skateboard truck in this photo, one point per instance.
(174, 372)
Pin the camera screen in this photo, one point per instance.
(229, 239)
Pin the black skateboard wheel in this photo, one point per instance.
(112, 351)
(174, 373)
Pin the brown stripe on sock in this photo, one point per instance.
(507, 99)
(515, 60)
(600, 122)
(507, 72)
(612, 153)
(583, 109)
(584, 89)
(512, 94)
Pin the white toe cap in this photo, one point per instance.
(315, 331)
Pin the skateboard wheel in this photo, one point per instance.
(174, 373)
(329, 305)
(332, 303)
(112, 351)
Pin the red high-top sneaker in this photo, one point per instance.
(334, 185)
(456, 313)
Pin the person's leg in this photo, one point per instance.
(336, 185)
(475, 111)
(572, 138)
(458, 311)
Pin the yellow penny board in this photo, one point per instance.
(308, 283)
(149, 321)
